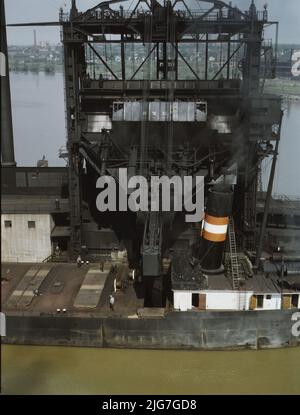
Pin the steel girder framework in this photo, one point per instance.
(164, 27)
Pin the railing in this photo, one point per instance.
(62, 257)
(267, 43)
(48, 258)
(34, 206)
(286, 198)
(63, 152)
(228, 15)
(64, 17)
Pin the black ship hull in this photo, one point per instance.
(207, 330)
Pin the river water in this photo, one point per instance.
(38, 115)
(63, 370)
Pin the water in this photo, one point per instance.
(287, 176)
(38, 115)
(65, 370)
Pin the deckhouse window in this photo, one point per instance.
(31, 224)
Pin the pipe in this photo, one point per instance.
(214, 228)
(288, 258)
(7, 141)
(268, 197)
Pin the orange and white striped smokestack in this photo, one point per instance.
(214, 228)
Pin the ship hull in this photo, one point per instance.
(207, 330)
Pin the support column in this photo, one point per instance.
(74, 65)
(7, 141)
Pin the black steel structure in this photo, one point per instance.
(163, 28)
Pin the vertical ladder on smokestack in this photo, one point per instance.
(235, 268)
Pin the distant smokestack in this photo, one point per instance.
(214, 230)
(34, 39)
(7, 142)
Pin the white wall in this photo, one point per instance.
(21, 244)
(182, 300)
(226, 300)
(215, 300)
(274, 303)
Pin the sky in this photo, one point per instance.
(18, 11)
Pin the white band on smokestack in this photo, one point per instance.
(214, 228)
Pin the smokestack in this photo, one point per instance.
(7, 142)
(214, 229)
(34, 39)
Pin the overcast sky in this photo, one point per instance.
(287, 12)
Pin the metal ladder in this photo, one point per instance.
(235, 267)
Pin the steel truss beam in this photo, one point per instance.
(103, 61)
(227, 61)
(144, 61)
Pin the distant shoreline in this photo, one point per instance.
(57, 69)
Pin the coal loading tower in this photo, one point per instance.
(163, 89)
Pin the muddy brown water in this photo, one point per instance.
(67, 370)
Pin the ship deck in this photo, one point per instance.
(84, 291)
(59, 290)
